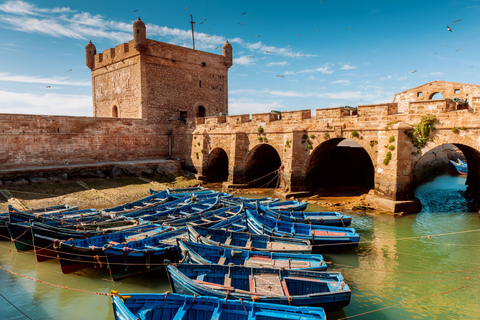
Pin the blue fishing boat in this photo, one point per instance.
(459, 167)
(192, 252)
(44, 235)
(77, 254)
(171, 306)
(152, 200)
(328, 218)
(247, 241)
(206, 218)
(324, 238)
(282, 286)
(289, 205)
(143, 254)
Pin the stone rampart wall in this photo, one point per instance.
(34, 140)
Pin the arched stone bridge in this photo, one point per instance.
(242, 149)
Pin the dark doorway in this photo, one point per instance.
(217, 166)
(200, 112)
(339, 167)
(261, 167)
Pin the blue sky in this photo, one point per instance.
(288, 55)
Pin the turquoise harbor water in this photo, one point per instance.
(397, 272)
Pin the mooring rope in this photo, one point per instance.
(407, 302)
(15, 307)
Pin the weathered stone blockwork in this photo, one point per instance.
(35, 141)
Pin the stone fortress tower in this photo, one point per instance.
(157, 81)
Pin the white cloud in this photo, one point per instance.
(437, 74)
(64, 22)
(325, 69)
(249, 106)
(403, 78)
(386, 78)
(243, 60)
(47, 81)
(25, 8)
(372, 95)
(346, 82)
(46, 104)
(260, 47)
(280, 64)
(347, 67)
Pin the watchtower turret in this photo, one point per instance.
(139, 35)
(227, 53)
(90, 52)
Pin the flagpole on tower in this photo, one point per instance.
(193, 37)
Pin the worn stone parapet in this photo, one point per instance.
(238, 119)
(264, 117)
(296, 115)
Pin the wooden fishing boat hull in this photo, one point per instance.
(318, 218)
(193, 252)
(170, 306)
(458, 168)
(78, 254)
(288, 287)
(324, 238)
(247, 241)
(289, 205)
(20, 235)
(144, 255)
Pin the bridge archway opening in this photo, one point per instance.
(217, 166)
(437, 184)
(261, 167)
(436, 96)
(339, 167)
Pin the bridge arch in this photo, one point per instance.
(344, 169)
(468, 145)
(261, 165)
(217, 166)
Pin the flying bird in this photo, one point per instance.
(135, 10)
(298, 34)
(455, 21)
(280, 76)
(241, 24)
(250, 57)
(243, 13)
(69, 70)
(267, 51)
(256, 35)
(48, 87)
(207, 36)
(414, 71)
(434, 53)
(349, 28)
(202, 22)
(449, 29)
(317, 29)
(186, 8)
(458, 49)
(320, 1)
(216, 48)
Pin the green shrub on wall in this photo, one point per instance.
(387, 158)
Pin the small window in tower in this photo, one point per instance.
(183, 114)
(201, 111)
(199, 83)
(138, 31)
(457, 91)
(115, 112)
(58, 129)
(419, 94)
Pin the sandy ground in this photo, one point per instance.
(104, 193)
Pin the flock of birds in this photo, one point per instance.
(266, 51)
